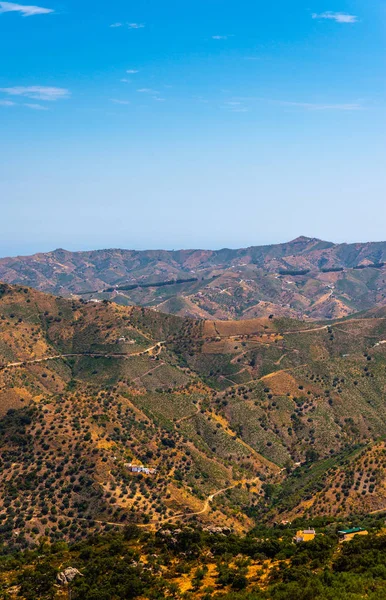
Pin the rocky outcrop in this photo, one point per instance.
(67, 576)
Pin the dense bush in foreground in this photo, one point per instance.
(192, 563)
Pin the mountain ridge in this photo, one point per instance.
(305, 277)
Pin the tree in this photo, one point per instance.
(38, 583)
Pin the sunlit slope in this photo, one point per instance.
(220, 410)
(304, 277)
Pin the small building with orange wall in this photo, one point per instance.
(307, 535)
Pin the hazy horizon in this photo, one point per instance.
(187, 248)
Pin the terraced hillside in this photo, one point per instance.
(235, 420)
(302, 278)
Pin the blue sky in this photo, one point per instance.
(203, 123)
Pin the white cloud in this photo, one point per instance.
(316, 106)
(25, 11)
(336, 16)
(37, 92)
(132, 71)
(128, 25)
(35, 106)
(220, 37)
(155, 94)
(147, 91)
(31, 105)
(119, 101)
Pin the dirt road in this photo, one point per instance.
(158, 346)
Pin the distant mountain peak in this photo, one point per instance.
(303, 239)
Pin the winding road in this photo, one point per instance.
(209, 499)
(158, 346)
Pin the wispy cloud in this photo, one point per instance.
(35, 106)
(317, 106)
(155, 94)
(115, 101)
(235, 106)
(220, 37)
(312, 106)
(132, 71)
(336, 16)
(128, 25)
(147, 91)
(37, 92)
(25, 11)
(31, 105)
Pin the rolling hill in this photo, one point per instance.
(304, 278)
(267, 418)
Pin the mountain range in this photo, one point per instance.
(305, 278)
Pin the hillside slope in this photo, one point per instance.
(222, 411)
(304, 277)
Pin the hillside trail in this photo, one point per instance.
(187, 417)
(335, 325)
(257, 346)
(158, 346)
(268, 376)
(208, 501)
(379, 510)
(139, 378)
(310, 330)
(281, 358)
(355, 333)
